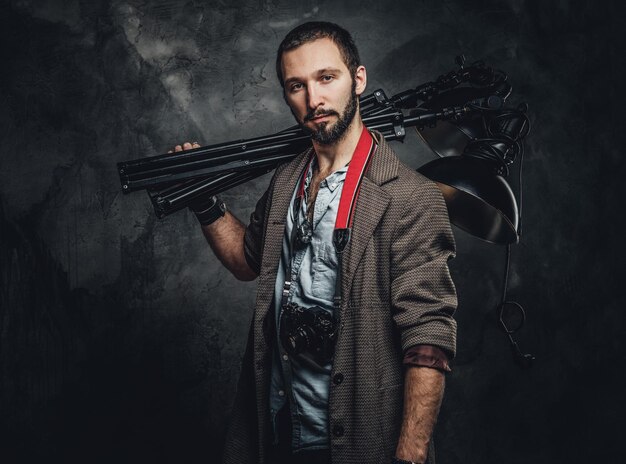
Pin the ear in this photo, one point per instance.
(360, 78)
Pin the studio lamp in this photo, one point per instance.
(472, 167)
(474, 158)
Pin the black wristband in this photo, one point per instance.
(211, 212)
(395, 460)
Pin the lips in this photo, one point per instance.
(320, 117)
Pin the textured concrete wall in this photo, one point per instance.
(120, 335)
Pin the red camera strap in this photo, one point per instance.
(347, 202)
(351, 187)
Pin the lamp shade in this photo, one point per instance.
(449, 138)
(479, 201)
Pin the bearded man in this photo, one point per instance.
(352, 329)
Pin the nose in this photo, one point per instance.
(314, 98)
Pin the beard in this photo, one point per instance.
(325, 135)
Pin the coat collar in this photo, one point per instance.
(384, 165)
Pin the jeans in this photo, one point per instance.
(282, 453)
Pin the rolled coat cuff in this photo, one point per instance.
(427, 356)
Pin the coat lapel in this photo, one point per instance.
(284, 186)
(370, 208)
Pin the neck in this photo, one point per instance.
(335, 156)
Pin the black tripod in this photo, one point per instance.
(174, 180)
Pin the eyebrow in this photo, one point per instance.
(329, 70)
(319, 72)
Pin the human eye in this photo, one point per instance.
(327, 77)
(295, 86)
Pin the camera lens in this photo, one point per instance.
(299, 341)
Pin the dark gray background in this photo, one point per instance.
(121, 336)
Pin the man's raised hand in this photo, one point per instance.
(185, 146)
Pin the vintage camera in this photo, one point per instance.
(308, 332)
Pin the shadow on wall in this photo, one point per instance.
(76, 383)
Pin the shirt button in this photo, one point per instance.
(281, 393)
(285, 357)
(337, 379)
(338, 430)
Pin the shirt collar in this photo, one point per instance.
(333, 181)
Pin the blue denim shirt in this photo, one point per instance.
(314, 274)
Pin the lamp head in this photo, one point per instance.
(479, 200)
(475, 153)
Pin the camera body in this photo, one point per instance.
(308, 331)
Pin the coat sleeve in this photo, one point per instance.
(423, 296)
(254, 236)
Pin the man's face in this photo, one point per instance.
(320, 91)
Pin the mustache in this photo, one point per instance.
(316, 114)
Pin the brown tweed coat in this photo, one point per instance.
(400, 294)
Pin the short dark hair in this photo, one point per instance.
(314, 30)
